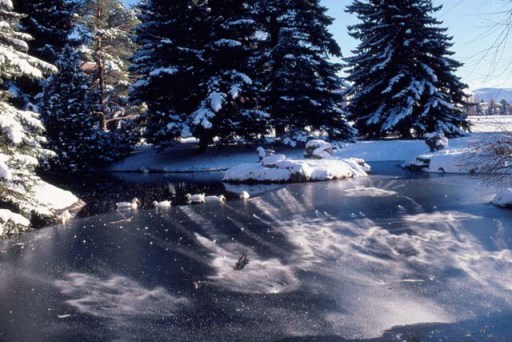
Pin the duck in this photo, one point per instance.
(134, 204)
(197, 198)
(162, 204)
(241, 263)
(64, 217)
(215, 199)
(244, 195)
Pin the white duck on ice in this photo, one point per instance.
(244, 195)
(162, 204)
(197, 198)
(215, 199)
(134, 204)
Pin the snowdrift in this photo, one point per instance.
(280, 169)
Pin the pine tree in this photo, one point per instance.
(21, 134)
(65, 108)
(49, 22)
(107, 26)
(169, 61)
(300, 82)
(403, 77)
(195, 75)
(230, 104)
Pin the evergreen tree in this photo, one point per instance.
(195, 75)
(171, 39)
(505, 107)
(106, 26)
(300, 83)
(49, 22)
(21, 132)
(65, 109)
(403, 78)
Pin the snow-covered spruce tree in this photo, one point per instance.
(168, 63)
(195, 75)
(230, 107)
(403, 78)
(66, 110)
(299, 80)
(107, 27)
(21, 132)
(49, 22)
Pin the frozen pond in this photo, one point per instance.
(387, 256)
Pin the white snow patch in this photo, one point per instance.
(271, 161)
(5, 172)
(289, 170)
(7, 215)
(503, 198)
(54, 197)
(6, 3)
(216, 100)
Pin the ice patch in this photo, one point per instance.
(261, 276)
(118, 297)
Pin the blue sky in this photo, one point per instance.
(475, 26)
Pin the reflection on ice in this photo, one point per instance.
(117, 297)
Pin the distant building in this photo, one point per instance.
(470, 106)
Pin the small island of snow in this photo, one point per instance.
(280, 169)
(503, 198)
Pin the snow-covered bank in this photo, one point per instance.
(46, 204)
(289, 170)
(185, 157)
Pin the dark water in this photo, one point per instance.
(103, 190)
(394, 256)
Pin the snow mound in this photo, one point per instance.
(318, 149)
(503, 198)
(449, 161)
(290, 170)
(54, 198)
(272, 161)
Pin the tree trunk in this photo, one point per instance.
(101, 74)
(204, 141)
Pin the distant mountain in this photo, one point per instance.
(497, 94)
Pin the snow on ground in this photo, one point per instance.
(491, 123)
(185, 158)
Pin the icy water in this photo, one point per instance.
(394, 256)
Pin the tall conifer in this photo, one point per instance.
(403, 77)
